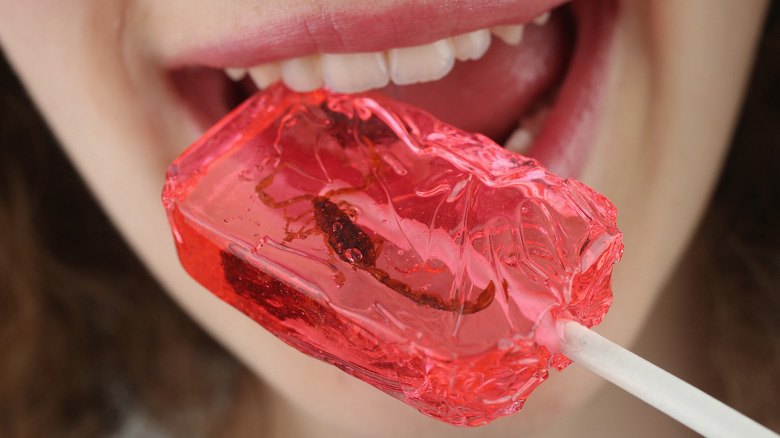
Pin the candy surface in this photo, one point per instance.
(426, 261)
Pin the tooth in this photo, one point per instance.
(264, 75)
(471, 45)
(354, 72)
(302, 74)
(424, 63)
(520, 141)
(235, 74)
(542, 19)
(511, 34)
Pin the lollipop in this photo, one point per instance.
(426, 261)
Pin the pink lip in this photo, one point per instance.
(298, 32)
(565, 140)
(564, 144)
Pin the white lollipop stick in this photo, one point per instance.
(665, 392)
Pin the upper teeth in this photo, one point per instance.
(356, 72)
(428, 62)
(264, 74)
(353, 72)
(471, 45)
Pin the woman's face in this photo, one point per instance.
(647, 93)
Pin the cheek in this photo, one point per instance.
(676, 89)
(102, 96)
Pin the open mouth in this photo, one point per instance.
(532, 81)
(530, 76)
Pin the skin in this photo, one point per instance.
(676, 80)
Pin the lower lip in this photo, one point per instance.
(565, 141)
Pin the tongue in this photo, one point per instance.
(492, 94)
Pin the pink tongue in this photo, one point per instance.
(490, 95)
(419, 258)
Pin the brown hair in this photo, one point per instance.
(741, 234)
(87, 336)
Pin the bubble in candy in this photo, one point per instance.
(424, 260)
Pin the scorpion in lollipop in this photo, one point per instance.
(353, 245)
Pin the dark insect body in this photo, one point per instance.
(346, 239)
(354, 246)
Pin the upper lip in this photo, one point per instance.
(291, 33)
